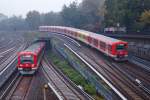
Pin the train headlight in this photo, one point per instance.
(32, 65)
(20, 65)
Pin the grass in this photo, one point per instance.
(75, 76)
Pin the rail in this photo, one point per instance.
(102, 77)
(66, 90)
(5, 89)
(142, 63)
(9, 67)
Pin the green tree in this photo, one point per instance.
(33, 19)
(92, 15)
(125, 12)
(87, 15)
(13, 24)
(51, 18)
(71, 15)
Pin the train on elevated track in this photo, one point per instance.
(117, 49)
(29, 59)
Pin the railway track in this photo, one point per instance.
(144, 64)
(11, 57)
(9, 61)
(20, 89)
(124, 76)
(17, 89)
(8, 85)
(138, 77)
(124, 81)
(12, 85)
(9, 41)
(62, 85)
(9, 46)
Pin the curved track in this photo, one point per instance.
(124, 79)
(122, 75)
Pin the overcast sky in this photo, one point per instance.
(21, 7)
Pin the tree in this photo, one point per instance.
(33, 19)
(3, 17)
(52, 18)
(13, 24)
(145, 20)
(125, 12)
(87, 15)
(92, 14)
(71, 15)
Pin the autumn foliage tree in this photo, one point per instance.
(145, 20)
(127, 13)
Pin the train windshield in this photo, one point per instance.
(121, 47)
(26, 59)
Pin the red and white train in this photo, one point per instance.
(114, 48)
(29, 59)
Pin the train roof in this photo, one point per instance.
(107, 39)
(104, 38)
(33, 49)
(83, 32)
(99, 36)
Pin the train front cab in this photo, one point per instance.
(27, 64)
(120, 51)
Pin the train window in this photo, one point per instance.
(71, 33)
(75, 34)
(109, 47)
(95, 41)
(102, 45)
(120, 47)
(89, 39)
(26, 59)
(85, 37)
(81, 36)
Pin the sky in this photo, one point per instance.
(22, 7)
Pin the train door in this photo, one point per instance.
(107, 49)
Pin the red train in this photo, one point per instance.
(114, 48)
(29, 59)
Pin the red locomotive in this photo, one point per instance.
(29, 59)
(114, 48)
